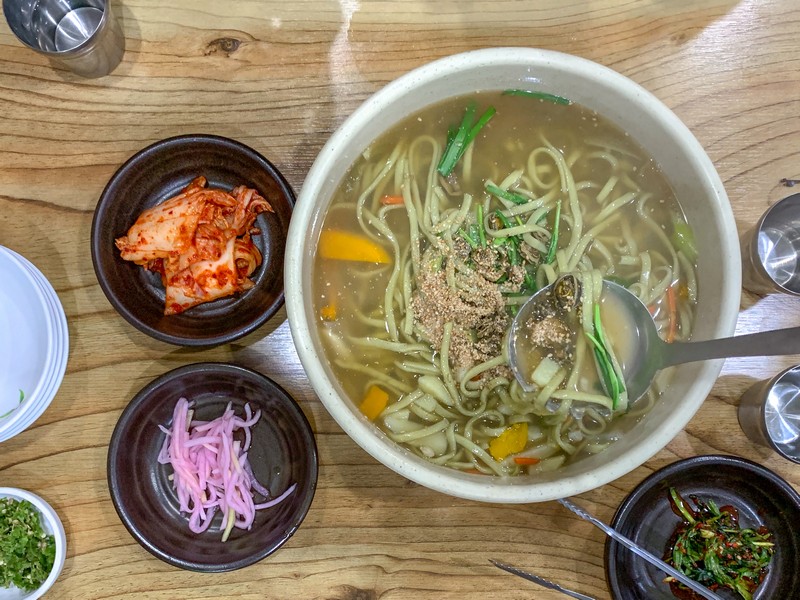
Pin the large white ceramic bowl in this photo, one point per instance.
(653, 126)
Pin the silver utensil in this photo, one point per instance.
(540, 580)
(651, 353)
(639, 551)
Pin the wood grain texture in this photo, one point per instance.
(280, 77)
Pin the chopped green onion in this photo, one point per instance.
(466, 236)
(459, 141)
(529, 283)
(506, 195)
(481, 230)
(680, 504)
(503, 219)
(683, 238)
(538, 95)
(551, 251)
(612, 380)
(712, 548)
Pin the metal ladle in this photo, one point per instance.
(651, 353)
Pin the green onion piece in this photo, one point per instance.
(481, 230)
(683, 238)
(551, 251)
(680, 503)
(461, 139)
(606, 371)
(456, 142)
(473, 244)
(612, 381)
(502, 218)
(529, 283)
(506, 195)
(539, 95)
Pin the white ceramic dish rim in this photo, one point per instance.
(37, 400)
(29, 279)
(505, 490)
(52, 524)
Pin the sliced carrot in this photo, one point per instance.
(672, 305)
(510, 441)
(374, 402)
(328, 312)
(345, 245)
(392, 200)
(526, 460)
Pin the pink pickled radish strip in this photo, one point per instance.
(210, 468)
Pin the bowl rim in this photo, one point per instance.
(115, 486)
(703, 461)
(53, 521)
(479, 487)
(165, 145)
(39, 399)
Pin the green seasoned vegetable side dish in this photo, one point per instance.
(27, 553)
(710, 547)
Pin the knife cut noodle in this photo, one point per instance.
(211, 470)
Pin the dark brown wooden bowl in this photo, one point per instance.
(157, 173)
(283, 452)
(645, 516)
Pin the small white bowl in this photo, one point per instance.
(35, 344)
(657, 129)
(51, 524)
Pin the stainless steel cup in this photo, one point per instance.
(769, 413)
(81, 35)
(771, 251)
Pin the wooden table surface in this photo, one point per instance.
(280, 77)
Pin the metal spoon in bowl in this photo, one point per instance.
(648, 353)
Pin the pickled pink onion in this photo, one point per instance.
(211, 471)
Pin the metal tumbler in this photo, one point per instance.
(771, 251)
(81, 35)
(769, 413)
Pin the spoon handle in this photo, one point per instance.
(778, 342)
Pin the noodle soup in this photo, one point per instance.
(421, 265)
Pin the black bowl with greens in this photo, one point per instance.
(699, 516)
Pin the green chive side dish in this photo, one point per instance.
(27, 553)
(710, 547)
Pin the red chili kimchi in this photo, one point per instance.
(199, 242)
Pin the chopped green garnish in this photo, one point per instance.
(612, 381)
(551, 251)
(470, 239)
(511, 242)
(506, 195)
(538, 95)
(710, 547)
(458, 141)
(21, 398)
(481, 230)
(683, 238)
(27, 553)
